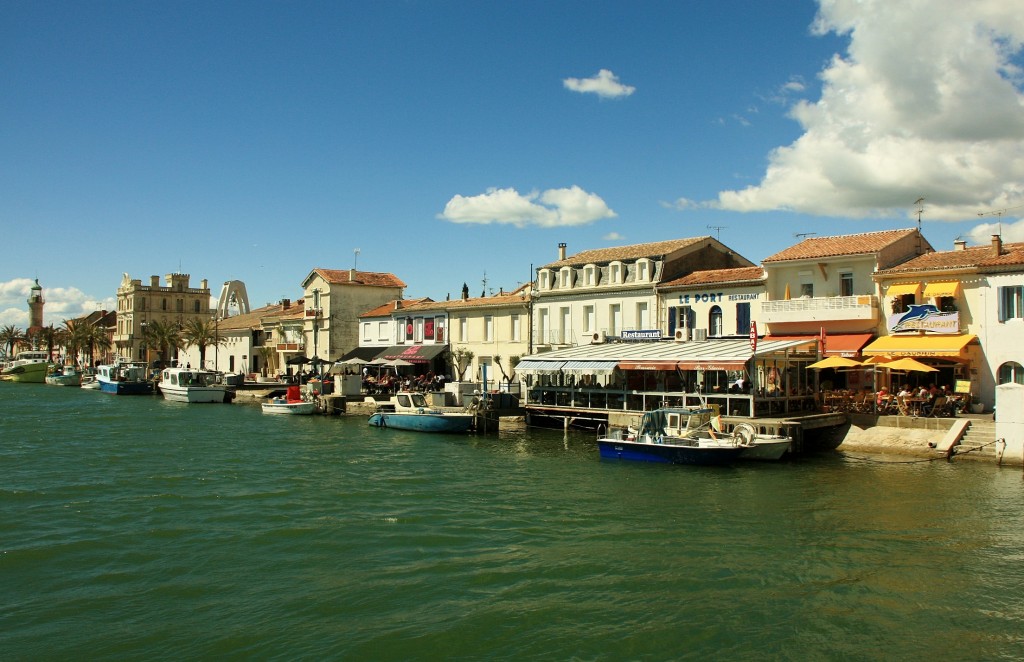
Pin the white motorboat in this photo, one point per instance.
(192, 385)
(291, 403)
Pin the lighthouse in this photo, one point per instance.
(35, 307)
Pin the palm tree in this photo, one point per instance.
(10, 337)
(163, 336)
(72, 333)
(201, 334)
(268, 354)
(48, 336)
(93, 337)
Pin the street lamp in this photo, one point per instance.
(316, 317)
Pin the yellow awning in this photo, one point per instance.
(938, 345)
(899, 289)
(949, 289)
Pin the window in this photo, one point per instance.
(564, 332)
(142, 304)
(846, 284)
(615, 272)
(463, 329)
(545, 279)
(903, 302)
(946, 304)
(382, 331)
(164, 305)
(195, 307)
(589, 321)
(439, 329)
(643, 271)
(681, 317)
(542, 326)
(614, 319)
(565, 277)
(715, 321)
(807, 290)
(179, 306)
(1011, 302)
(418, 330)
(515, 332)
(1011, 372)
(366, 331)
(643, 320)
(743, 318)
(588, 276)
(488, 328)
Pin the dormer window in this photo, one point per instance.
(615, 270)
(565, 277)
(590, 275)
(643, 270)
(545, 279)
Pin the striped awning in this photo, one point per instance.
(537, 367)
(589, 367)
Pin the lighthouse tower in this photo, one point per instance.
(35, 307)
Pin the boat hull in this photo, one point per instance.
(638, 451)
(289, 408)
(426, 422)
(31, 373)
(194, 394)
(126, 388)
(64, 380)
(766, 449)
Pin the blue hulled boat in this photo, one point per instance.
(124, 378)
(411, 412)
(675, 436)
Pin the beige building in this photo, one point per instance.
(713, 303)
(333, 301)
(597, 295)
(175, 302)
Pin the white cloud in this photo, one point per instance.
(552, 208)
(926, 101)
(684, 204)
(605, 85)
(61, 303)
(613, 236)
(1010, 231)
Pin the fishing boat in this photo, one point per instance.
(191, 385)
(28, 367)
(410, 411)
(124, 378)
(90, 383)
(691, 436)
(65, 375)
(291, 403)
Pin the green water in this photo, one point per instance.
(133, 528)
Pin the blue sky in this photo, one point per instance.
(450, 142)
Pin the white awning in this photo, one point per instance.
(602, 368)
(536, 367)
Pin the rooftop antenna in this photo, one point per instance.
(920, 210)
(804, 235)
(355, 260)
(718, 230)
(484, 293)
(998, 213)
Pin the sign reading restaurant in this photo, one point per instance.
(924, 317)
(643, 334)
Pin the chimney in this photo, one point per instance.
(286, 303)
(960, 244)
(997, 245)
(154, 281)
(561, 251)
(352, 275)
(203, 284)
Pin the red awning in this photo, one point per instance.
(847, 345)
(653, 364)
(712, 365)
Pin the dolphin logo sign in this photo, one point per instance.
(915, 313)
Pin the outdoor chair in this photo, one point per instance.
(902, 407)
(939, 407)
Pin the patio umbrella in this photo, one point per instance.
(909, 364)
(879, 360)
(396, 363)
(835, 362)
(355, 360)
(297, 360)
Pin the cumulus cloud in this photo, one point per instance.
(926, 101)
(605, 85)
(1010, 231)
(61, 303)
(551, 209)
(613, 236)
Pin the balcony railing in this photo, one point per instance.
(816, 309)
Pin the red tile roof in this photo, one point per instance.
(604, 255)
(980, 257)
(520, 296)
(720, 276)
(851, 244)
(371, 278)
(254, 318)
(385, 310)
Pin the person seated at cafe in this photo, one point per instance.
(882, 397)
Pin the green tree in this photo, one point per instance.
(201, 334)
(165, 337)
(93, 337)
(461, 359)
(268, 354)
(50, 336)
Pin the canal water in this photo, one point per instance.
(134, 528)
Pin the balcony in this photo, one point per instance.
(861, 308)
